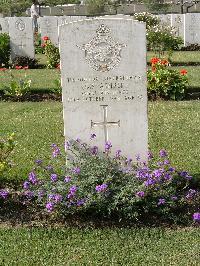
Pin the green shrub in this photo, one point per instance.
(165, 82)
(25, 61)
(4, 49)
(148, 18)
(52, 54)
(18, 87)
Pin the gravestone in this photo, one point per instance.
(21, 36)
(178, 24)
(192, 28)
(49, 27)
(165, 19)
(103, 72)
(4, 26)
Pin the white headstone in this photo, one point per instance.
(103, 69)
(178, 24)
(49, 27)
(192, 28)
(21, 36)
(165, 19)
(4, 26)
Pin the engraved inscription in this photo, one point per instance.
(20, 25)
(102, 53)
(105, 123)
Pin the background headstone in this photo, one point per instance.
(178, 24)
(4, 26)
(192, 28)
(49, 27)
(21, 36)
(103, 70)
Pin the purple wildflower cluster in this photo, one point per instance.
(196, 217)
(101, 188)
(4, 194)
(56, 151)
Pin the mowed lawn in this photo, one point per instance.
(174, 126)
(70, 247)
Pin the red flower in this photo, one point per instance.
(18, 67)
(58, 66)
(154, 60)
(45, 38)
(3, 69)
(183, 72)
(164, 62)
(43, 45)
(26, 67)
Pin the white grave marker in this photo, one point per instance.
(21, 36)
(49, 27)
(4, 26)
(103, 68)
(192, 28)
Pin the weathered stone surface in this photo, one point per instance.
(192, 28)
(103, 67)
(49, 27)
(21, 36)
(4, 26)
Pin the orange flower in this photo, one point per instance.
(154, 60)
(18, 67)
(183, 72)
(153, 68)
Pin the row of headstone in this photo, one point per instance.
(186, 26)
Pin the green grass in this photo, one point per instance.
(70, 247)
(172, 125)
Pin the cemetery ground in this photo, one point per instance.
(173, 126)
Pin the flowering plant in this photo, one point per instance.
(165, 82)
(94, 182)
(51, 52)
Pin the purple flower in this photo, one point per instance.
(174, 198)
(76, 170)
(41, 194)
(108, 146)
(158, 173)
(185, 175)
(54, 177)
(73, 190)
(58, 198)
(167, 176)
(171, 169)
(94, 150)
(118, 153)
(67, 145)
(128, 160)
(49, 168)
(149, 182)
(150, 155)
(67, 179)
(101, 188)
(80, 202)
(32, 178)
(140, 194)
(93, 136)
(161, 201)
(29, 194)
(38, 162)
(4, 193)
(163, 153)
(56, 151)
(26, 185)
(49, 206)
(196, 216)
(191, 194)
(137, 157)
(166, 162)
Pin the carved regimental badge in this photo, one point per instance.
(20, 25)
(102, 53)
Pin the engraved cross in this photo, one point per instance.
(105, 123)
(21, 45)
